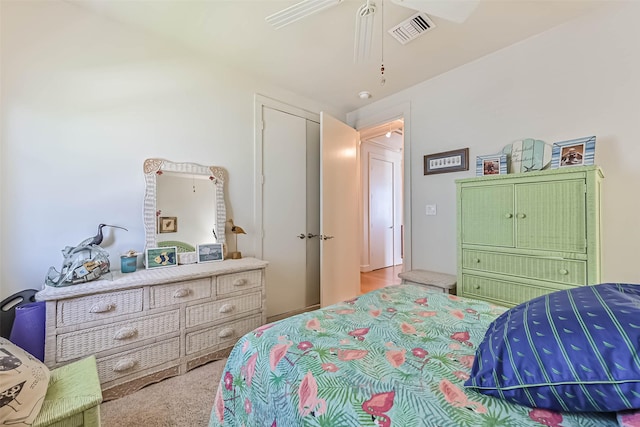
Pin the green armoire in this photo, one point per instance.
(525, 235)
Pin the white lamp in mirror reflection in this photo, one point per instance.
(236, 229)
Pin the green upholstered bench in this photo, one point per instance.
(73, 397)
(437, 281)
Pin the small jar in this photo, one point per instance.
(128, 264)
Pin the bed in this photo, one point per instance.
(398, 356)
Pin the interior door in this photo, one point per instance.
(339, 212)
(381, 206)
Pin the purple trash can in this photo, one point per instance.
(29, 327)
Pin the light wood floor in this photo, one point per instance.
(377, 279)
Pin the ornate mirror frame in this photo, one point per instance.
(155, 167)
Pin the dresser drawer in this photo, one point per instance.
(221, 336)
(502, 292)
(570, 272)
(235, 282)
(129, 362)
(219, 310)
(98, 307)
(93, 340)
(175, 293)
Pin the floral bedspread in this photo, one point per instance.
(397, 356)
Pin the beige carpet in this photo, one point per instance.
(185, 400)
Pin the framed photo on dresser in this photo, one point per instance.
(161, 257)
(210, 252)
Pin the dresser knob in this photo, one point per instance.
(225, 333)
(181, 293)
(477, 286)
(124, 365)
(227, 308)
(240, 282)
(564, 272)
(126, 332)
(508, 215)
(102, 307)
(476, 260)
(521, 215)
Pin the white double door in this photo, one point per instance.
(309, 211)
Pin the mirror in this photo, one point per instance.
(183, 206)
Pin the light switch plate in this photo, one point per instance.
(431, 210)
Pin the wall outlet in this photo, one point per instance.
(431, 210)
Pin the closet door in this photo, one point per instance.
(312, 290)
(284, 210)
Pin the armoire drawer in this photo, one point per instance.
(175, 293)
(80, 310)
(129, 362)
(94, 340)
(570, 272)
(219, 310)
(503, 292)
(221, 336)
(228, 283)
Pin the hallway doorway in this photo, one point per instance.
(382, 169)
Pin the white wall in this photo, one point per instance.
(84, 101)
(579, 79)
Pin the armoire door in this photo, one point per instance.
(492, 220)
(551, 216)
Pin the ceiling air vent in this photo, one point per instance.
(413, 27)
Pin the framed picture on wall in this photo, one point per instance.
(168, 224)
(161, 257)
(210, 252)
(447, 161)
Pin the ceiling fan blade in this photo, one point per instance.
(298, 11)
(364, 31)
(451, 10)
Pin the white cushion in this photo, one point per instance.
(23, 385)
(425, 277)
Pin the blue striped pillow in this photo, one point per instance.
(573, 350)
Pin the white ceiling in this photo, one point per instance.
(314, 56)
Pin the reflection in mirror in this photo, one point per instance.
(183, 205)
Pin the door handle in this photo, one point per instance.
(324, 237)
(301, 236)
(309, 236)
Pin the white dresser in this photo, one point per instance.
(153, 324)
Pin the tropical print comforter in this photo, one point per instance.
(397, 356)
